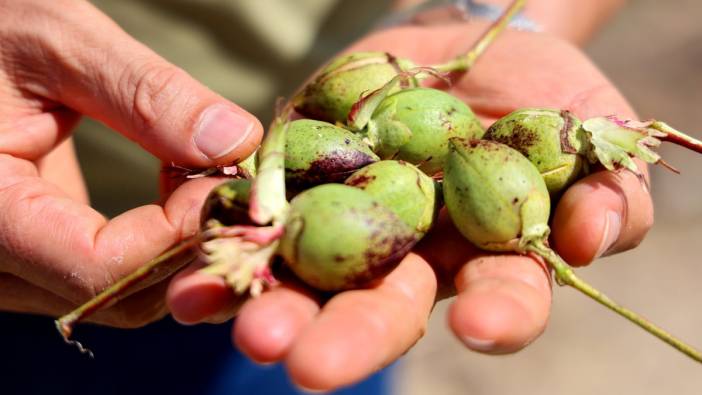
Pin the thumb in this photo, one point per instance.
(107, 75)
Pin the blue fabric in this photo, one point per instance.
(162, 358)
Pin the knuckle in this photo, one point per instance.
(21, 205)
(153, 89)
(86, 279)
(26, 203)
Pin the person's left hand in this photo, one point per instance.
(60, 60)
(503, 300)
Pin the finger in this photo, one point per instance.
(70, 249)
(60, 167)
(361, 331)
(502, 304)
(267, 327)
(604, 213)
(503, 301)
(20, 296)
(97, 69)
(33, 135)
(195, 297)
(135, 311)
(447, 250)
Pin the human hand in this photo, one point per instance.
(503, 300)
(59, 60)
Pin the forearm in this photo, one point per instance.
(574, 20)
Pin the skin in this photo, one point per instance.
(573, 20)
(355, 332)
(502, 301)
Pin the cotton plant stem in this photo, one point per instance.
(465, 62)
(677, 137)
(268, 202)
(242, 254)
(566, 276)
(164, 263)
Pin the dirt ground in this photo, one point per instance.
(653, 52)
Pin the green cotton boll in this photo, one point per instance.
(416, 124)
(494, 195)
(318, 152)
(551, 139)
(401, 187)
(330, 96)
(227, 204)
(339, 237)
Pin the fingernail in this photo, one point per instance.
(481, 345)
(613, 223)
(220, 130)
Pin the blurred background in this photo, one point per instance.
(652, 50)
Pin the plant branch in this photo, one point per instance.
(566, 276)
(465, 61)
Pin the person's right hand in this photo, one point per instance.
(502, 300)
(61, 59)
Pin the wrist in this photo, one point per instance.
(574, 20)
(441, 12)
